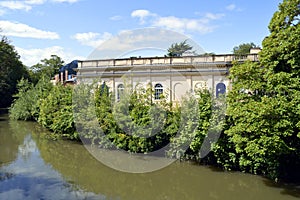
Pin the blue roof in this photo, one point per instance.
(70, 67)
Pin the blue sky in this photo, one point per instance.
(72, 29)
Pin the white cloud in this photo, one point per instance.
(233, 7)
(116, 18)
(170, 22)
(35, 2)
(213, 16)
(31, 57)
(183, 24)
(201, 25)
(91, 39)
(139, 41)
(15, 5)
(23, 30)
(27, 4)
(141, 14)
(126, 39)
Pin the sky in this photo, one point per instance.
(74, 29)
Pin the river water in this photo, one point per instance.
(33, 167)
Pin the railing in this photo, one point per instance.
(134, 61)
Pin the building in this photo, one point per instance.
(172, 76)
(67, 74)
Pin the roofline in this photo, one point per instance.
(157, 57)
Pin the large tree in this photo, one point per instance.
(244, 48)
(177, 49)
(47, 67)
(263, 106)
(11, 71)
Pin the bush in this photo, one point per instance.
(27, 101)
(56, 112)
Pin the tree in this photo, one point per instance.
(209, 54)
(281, 58)
(27, 103)
(47, 67)
(56, 112)
(244, 48)
(11, 71)
(177, 49)
(263, 105)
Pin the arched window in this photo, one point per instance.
(220, 89)
(120, 91)
(202, 85)
(158, 91)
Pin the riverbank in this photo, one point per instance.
(89, 112)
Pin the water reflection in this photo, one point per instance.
(37, 168)
(8, 143)
(177, 181)
(25, 175)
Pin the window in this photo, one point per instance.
(202, 85)
(158, 91)
(221, 89)
(120, 91)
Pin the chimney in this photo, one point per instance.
(66, 75)
(62, 77)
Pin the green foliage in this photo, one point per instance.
(56, 112)
(47, 68)
(209, 54)
(281, 57)
(41, 91)
(26, 106)
(50, 105)
(244, 48)
(86, 122)
(205, 103)
(201, 124)
(177, 49)
(11, 71)
(188, 124)
(260, 133)
(21, 109)
(134, 123)
(263, 111)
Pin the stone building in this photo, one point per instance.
(172, 76)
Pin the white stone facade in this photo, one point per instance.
(175, 76)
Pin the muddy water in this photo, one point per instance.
(32, 167)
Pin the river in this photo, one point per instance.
(33, 167)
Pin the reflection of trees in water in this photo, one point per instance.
(8, 142)
(27, 133)
(21, 131)
(15, 139)
(178, 181)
